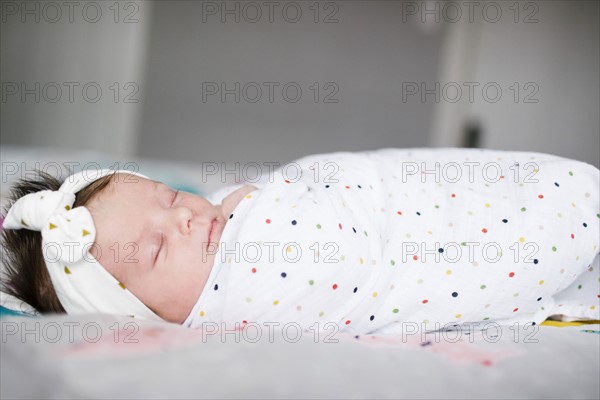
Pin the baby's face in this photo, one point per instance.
(154, 240)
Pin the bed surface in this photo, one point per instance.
(158, 360)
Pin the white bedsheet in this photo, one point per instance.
(169, 361)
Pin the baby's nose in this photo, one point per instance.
(184, 217)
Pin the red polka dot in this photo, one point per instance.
(348, 322)
(340, 226)
(399, 212)
(268, 221)
(484, 230)
(415, 258)
(501, 176)
(453, 195)
(541, 196)
(253, 270)
(572, 236)
(516, 309)
(334, 286)
(287, 181)
(599, 296)
(244, 322)
(347, 187)
(487, 363)
(511, 274)
(425, 301)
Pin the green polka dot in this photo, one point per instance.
(523, 209)
(395, 311)
(571, 173)
(553, 248)
(598, 215)
(318, 226)
(486, 318)
(482, 287)
(436, 206)
(366, 234)
(321, 314)
(311, 282)
(392, 262)
(463, 243)
(578, 286)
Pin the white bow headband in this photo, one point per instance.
(81, 283)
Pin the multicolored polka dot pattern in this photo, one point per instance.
(378, 246)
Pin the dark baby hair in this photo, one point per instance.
(25, 273)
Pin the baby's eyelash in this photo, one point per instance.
(162, 237)
(175, 197)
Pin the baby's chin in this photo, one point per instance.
(233, 199)
(178, 312)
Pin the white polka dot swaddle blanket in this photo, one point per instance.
(373, 240)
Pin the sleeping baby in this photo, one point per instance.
(366, 240)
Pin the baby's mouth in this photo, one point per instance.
(210, 231)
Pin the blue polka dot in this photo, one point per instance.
(539, 298)
(283, 274)
(584, 225)
(454, 294)
(556, 184)
(505, 220)
(230, 216)
(354, 229)
(372, 317)
(535, 261)
(418, 213)
(216, 287)
(441, 250)
(355, 290)
(294, 222)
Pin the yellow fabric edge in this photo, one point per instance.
(561, 324)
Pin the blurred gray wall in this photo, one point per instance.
(360, 60)
(547, 65)
(72, 74)
(161, 53)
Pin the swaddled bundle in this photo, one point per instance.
(375, 239)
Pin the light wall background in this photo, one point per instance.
(367, 55)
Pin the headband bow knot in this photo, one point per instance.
(66, 232)
(81, 283)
